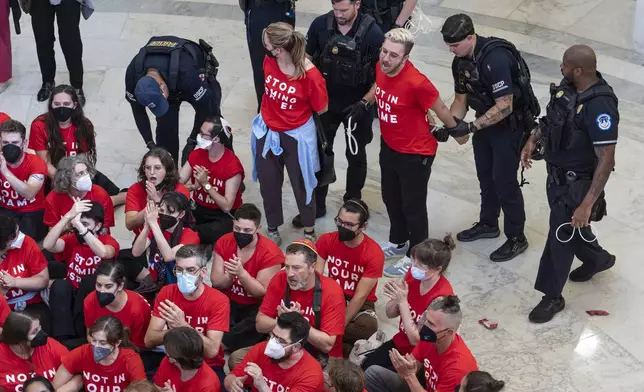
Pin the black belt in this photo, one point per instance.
(562, 176)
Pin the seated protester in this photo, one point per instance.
(65, 131)
(356, 262)
(83, 250)
(191, 303)
(109, 361)
(38, 384)
(141, 386)
(166, 230)
(26, 350)
(157, 175)
(215, 174)
(23, 271)
(346, 376)
(410, 297)
(244, 263)
(297, 288)
(441, 354)
(479, 381)
(280, 364)
(74, 180)
(184, 369)
(22, 175)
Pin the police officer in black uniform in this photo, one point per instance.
(491, 77)
(389, 14)
(579, 134)
(344, 45)
(169, 70)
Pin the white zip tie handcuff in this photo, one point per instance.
(593, 230)
(351, 140)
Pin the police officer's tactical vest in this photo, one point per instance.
(566, 145)
(341, 61)
(383, 11)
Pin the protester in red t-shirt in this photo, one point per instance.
(405, 99)
(191, 303)
(109, 362)
(4, 311)
(410, 297)
(4, 117)
(441, 353)
(22, 176)
(26, 351)
(65, 131)
(346, 376)
(355, 261)
(243, 265)
(166, 229)
(299, 281)
(284, 133)
(184, 368)
(280, 364)
(215, 174)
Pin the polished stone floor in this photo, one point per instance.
(575, 352)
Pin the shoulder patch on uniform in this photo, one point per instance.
(604, 121)
(559, 94)
(496, 87)
(581, 105)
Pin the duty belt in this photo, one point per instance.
(562, 176)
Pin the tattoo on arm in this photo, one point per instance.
(498, 112)
(606, 155)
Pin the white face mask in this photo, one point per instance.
(275, 350)
(203, 143)
(84, 184)
(187, 283)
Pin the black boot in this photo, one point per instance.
(546, 309)
(45, 91)
(585, 272)
(477, 231)
(81, 97)
(510, 249)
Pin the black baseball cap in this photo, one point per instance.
(456, 28)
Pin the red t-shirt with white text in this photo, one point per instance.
(417, 305)
(4, 310)
(443, 372)
(127, 368)
(227, 167)
(305, 376)
(331, 308)
(23, 262)
(44, 361)
(58, 204)
(188, 236)
(267, 254)
(206, 380)
(136, 199)
(135, 315)
(209, 312)
(402, 102)
(39, 137)
(348, 265)
(289, 103)
(12, 200)
(82, 260)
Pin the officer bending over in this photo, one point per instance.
(389, 14)
(344, 45)
(579, 152)
(167, 71)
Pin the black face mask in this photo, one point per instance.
(242, 239)
(269, 53)
(39, 340)
(11, 153)
(105, 298)
(63, 114)
(345, 234)
(166, 221)
(428, 335)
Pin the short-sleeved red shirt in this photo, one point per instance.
(331, 309)
(23, 261)
(39, 137)
(205, 380)
(289, 103)
(127, 368)
(58, 204)
(45, 361)
(209, 312)
(227, 167)
(4, 117)
(188, 236)
(135, 315)
(348, 265)
(402, 102)
(305, 376)
(443, 372)
(417, 305)
(267, 254)
(12, 200)
(137, 199)
(4, 310)
(82, 260)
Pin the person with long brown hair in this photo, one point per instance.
(284, 132)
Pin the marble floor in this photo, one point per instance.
(574, 352)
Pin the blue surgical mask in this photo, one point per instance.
(187, 283)
(100, 353)
(418, 273)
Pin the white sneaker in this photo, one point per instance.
(399, 269)
(392, 250)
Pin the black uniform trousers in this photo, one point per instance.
(259, 14)
(357, 170)
(497, 156)
(242, 332)
(67, 15)
(557, 257)
(404, 179)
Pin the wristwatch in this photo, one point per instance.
(207, 187)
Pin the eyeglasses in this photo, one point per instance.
(189, 271)
(348, 225)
